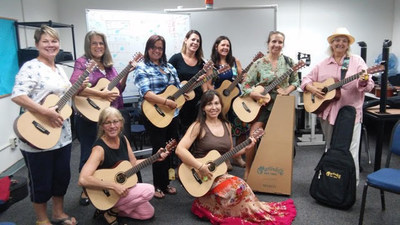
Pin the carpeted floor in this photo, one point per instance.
(175, 209)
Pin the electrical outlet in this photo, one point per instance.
(13, 142)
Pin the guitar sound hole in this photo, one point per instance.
(325, 90)
(120, 178)
(226, 92)
(211, 167)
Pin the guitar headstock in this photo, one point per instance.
(299, 65)
(90, 66)
(223, 69)
(258, 56)
(138, 57)
(258, 133)
(208, 66)
(376, 69)
(171, 145)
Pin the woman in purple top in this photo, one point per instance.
(96, 48)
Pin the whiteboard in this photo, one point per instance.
(127, 32)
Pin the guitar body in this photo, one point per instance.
(106, 199)
(91, 106)
(190, 94)
(190, 183)
(246, 108)
(42, 135)
(161, 115)
(226, 95)
(316, 105)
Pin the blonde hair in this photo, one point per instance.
(107, 112)
(106, 59)
(44, 29)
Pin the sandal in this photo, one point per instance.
(43, 222)
(170, 190)
(64, 221)
(84, 201)
(106, 216)
(159, 194)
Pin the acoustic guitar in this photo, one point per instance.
(198, 186)
(190, 94)
(124, 174)
(331, 88)
(36, 129)
(91, 106)
(247, 109)
(229, 90)
(162, 115)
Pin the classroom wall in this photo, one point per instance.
(306, 24)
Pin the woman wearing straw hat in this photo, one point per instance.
(352, 94)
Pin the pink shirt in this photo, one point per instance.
(351, 93)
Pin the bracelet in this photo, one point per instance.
(165, 102)
(200, 167)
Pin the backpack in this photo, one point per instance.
(12, 190)
(334, 181)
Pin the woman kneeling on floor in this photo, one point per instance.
(110, 148)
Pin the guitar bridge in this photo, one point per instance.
(40, 128)
(313, 98)
(92, 103)
(196, 176)
(159, 110)
(106, 192)
(245, 107)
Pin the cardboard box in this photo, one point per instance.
(272, 168)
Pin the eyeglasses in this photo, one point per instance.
(157, 48)
(114, 122)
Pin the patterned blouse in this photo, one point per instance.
(36, 80)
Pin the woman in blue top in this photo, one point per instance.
(221, 55)
(152, 77)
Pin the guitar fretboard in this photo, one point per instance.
(142, 165)
(75, 87)
(277, 81)
(116, 80)
(344, 81)
(230, 153)
(188, 86)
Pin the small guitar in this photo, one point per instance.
(196, 185)
(35, 128)
(124, 174)
(229, 90)
(91, 106)
(161, 115)
(190, 94)
(247, 109)
(331, 88)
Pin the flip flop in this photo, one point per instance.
(159, 194)
(170, 190)
(64, 221)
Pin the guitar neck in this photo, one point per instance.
(142, 165)
(344, 81)
(207, 78)
(230, 153)
(277, 81)
(75, 87)
(121, 75)
(189, 85)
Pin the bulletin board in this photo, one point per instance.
(127, 32)
(8, 56)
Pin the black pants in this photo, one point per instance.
(158, 138)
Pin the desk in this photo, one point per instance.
(374, 114)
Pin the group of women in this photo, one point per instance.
(103, 144)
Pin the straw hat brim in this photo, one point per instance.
(351, 38)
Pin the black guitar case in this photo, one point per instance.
(334, 181)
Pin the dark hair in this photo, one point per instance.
(215, 57)
(275, 32)
(106, 59)
(199, 52)
(150, 44)
(207, 97)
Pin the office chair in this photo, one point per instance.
(385, 179)
(138, 131)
